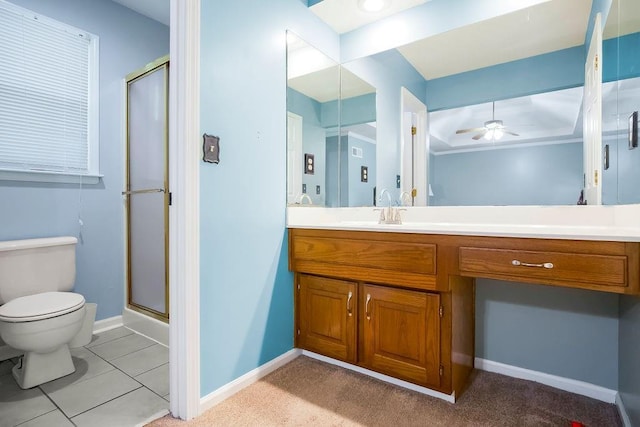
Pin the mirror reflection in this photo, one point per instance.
(506, 115)
(331, 130)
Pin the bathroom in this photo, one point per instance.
(233, 234)
(92, 209)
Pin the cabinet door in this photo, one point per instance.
(327, 317)
(401, 333)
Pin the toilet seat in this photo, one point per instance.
(40, 306)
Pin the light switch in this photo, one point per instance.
(304, 188)
(317, 189)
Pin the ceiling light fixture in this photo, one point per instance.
(373, 5)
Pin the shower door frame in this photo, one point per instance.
(160, 63)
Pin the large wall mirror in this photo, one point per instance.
(331, 128)
(487, 114)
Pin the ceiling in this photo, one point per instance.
(536, 30)
(542, 118)
(344, 15)
(158, 10)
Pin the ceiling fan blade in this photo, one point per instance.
(480, 135)
(459, 131)
(510, 133)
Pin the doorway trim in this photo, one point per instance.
(184, 214)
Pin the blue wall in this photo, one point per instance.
(571, 333)
(543, 73)
(629, 365)
(532, 175)
(388, 72)
(128, 41)
(246, 290)
(360, 193)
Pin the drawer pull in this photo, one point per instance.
(349, 303)
(366, 307)
(548, 265)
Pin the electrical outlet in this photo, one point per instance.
(317, 189)
(304, 188)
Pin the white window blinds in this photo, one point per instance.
(46, 88)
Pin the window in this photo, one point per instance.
(48, 97)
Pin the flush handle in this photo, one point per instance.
(517, 263)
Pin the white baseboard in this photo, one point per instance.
(228, 390)
(626, 421)
(106, 324)
(574, 386)
(146, 326)
(451, 398)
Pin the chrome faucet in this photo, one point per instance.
(405, 195)
(305, 196)
(392, 215)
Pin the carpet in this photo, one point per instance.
(307, 392)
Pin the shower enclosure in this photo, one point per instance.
(147, 194)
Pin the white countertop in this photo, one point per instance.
(615, 223)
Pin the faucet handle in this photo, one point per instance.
(397, 218)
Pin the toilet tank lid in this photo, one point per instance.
(39, 306)
(12, 245)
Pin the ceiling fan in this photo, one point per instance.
(492, 130)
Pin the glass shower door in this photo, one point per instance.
(147, 194)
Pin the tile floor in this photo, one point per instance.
(121, 379)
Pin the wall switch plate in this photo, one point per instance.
(309, 164)
(397, 181)
(364, 174)
(304, 188)
(317, 189)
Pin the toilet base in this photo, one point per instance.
(38, 368)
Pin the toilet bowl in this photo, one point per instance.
(39, 316)
(41, 326)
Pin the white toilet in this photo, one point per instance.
(39, 316)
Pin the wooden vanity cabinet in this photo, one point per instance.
(414, 316)
(327, 313)
(401, 333)
(370, 299)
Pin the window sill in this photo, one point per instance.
(48, 176)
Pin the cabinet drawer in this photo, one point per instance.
(544, 267)
(385, 255)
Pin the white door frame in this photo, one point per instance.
(184, 214)
(592, 121)
(294, 157)
(414, 161)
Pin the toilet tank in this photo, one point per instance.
(33, 266)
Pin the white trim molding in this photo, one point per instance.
(184, 214)
(451, 398)
(567, 384)
(624, 415)
(228, 390)
(107, 324)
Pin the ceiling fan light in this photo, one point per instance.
(494, 134)
(372, 5)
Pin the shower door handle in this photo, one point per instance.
(152, 190)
